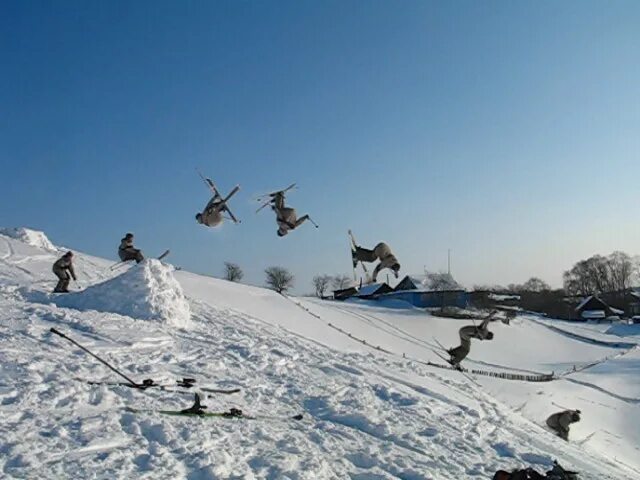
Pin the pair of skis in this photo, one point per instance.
(116, 266)
(354, 247)
(199, 410)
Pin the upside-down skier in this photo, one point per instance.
(286, 217)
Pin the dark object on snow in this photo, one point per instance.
(559, 422)
(556, 473)
(126, 250)
(63, 268)
(482, 332)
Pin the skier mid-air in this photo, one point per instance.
(381, 252)
(286, 217)
(482, 332)
(212, 215)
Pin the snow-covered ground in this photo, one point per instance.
(372, 408)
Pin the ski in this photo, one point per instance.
(216, 195)
(198, 410)
(232, 413)
(165, 387)
(354, 245)
(164, 254)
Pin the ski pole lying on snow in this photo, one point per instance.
(60, 334)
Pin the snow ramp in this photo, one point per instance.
(147, 291)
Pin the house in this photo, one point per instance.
(374, 290)
(431, 298)
(634, 305)
(407, 283)
(593, 308)
(345, 293)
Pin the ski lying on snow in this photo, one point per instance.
(115, 266)
(199, 410)
(165, 388)
(232, 414)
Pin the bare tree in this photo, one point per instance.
(599, 274)
(534, 284)
(279, 279)
(233, 272)
(440, 282)
(340, 281)
(321, 283)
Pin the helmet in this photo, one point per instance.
(69, 254)
(199, 217)
(281, 233)
(129, 235)
(395, 267)
(489, 335)
(575, 416)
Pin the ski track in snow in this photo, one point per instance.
(367, 415)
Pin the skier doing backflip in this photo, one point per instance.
(482, 332)
(286, 217)
(381, 252)
(212, 215)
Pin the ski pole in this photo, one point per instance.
(314, 223)
(60, 334)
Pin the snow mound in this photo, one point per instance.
(146, 291)
(34, 238)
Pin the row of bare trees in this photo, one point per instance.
(321, 283)
(599, 274)
(277, 278)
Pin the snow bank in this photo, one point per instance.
(146, 291)
(34, 238)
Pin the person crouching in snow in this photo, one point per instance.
(63, 268)
(559, 422)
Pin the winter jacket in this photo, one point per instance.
(286, 218)
(126, 243)
(63, 264)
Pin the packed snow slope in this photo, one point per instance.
(369, 412)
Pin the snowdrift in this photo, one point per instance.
(34, 238)
(146, 291)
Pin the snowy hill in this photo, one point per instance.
(372, 408)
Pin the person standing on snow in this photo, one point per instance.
(381, 252)
(127, 251)
(63, 268)
(286, 217)
(559, 422)
(482, 332)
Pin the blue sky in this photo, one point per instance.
(506, 131)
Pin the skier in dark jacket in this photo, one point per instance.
(63, 268)
(559, 422)
(482, 332)
(127, 251)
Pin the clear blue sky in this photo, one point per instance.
(506, 131)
